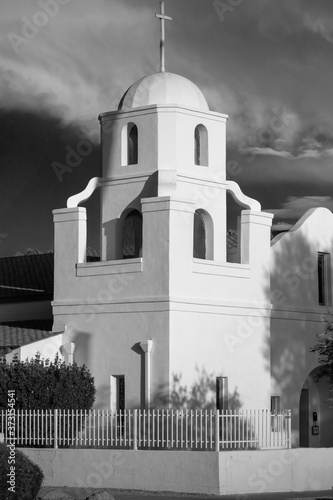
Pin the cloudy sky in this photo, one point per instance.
(266, 63)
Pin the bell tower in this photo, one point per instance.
(163, 285)
(162, 141)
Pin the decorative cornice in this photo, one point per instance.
(237, 194)
(76, 199)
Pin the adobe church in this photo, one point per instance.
(167, 301)
(164, 299)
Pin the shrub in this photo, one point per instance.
(40, 384)
(43, 384)
(28, 476)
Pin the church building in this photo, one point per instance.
(167, 307)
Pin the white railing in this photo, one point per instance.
(148, 429)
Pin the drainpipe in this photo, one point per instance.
(147, 348)
(68, 351)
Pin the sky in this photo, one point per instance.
(265, 63)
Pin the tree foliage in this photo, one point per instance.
(324, 350)
(43, 384)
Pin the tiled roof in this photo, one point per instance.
(31, 275)
(19, 333)
(26, 276)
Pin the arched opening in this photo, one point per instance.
(132, 235)
(203, 245)
(201, 146)
(233, 239)
(316, 412)
(130, 144)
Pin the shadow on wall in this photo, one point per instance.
(296, 302)
(102, 400)
(201, 395)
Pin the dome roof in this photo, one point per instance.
(163, 88)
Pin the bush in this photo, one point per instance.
(41, 384)
(28, 476)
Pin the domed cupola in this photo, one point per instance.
(163, 88)
(162, 141)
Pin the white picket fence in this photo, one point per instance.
(148, 429)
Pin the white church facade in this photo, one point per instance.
(163, 286)
(165, 305)
(167, 309)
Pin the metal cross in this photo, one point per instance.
(163, 18)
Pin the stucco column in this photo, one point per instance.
(70, 243)
(147, 348)
(255, 234)
(67, 350)
(256, 249)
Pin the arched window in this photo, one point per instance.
(130, 144)
(201, 146)
(132, 235)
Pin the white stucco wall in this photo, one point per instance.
(165, 144)
(48, 348)
(228, 342)
(170, 298)
(201, 315)
(232, 472)
(296, 315)
(109, 345)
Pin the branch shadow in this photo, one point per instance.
(201, 395)
(297, 315)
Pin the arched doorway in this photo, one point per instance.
(316, 412)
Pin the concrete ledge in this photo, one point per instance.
(109, 267)
(228, 472)
(221, 268)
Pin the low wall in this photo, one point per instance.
(229, 472)
(146, 470)
(298, 469)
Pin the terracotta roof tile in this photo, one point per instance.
(19, 333)
(26, 276)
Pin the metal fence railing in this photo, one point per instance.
(158, 429)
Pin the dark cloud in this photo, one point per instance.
(265, 63)
(30, 188)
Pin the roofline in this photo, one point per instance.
(27, 298)
(163, 107)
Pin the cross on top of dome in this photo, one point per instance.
(162, 18)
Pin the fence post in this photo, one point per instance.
(2, 437)
(289, 428)
(55, 429)
(217, 430)
(135, 430)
